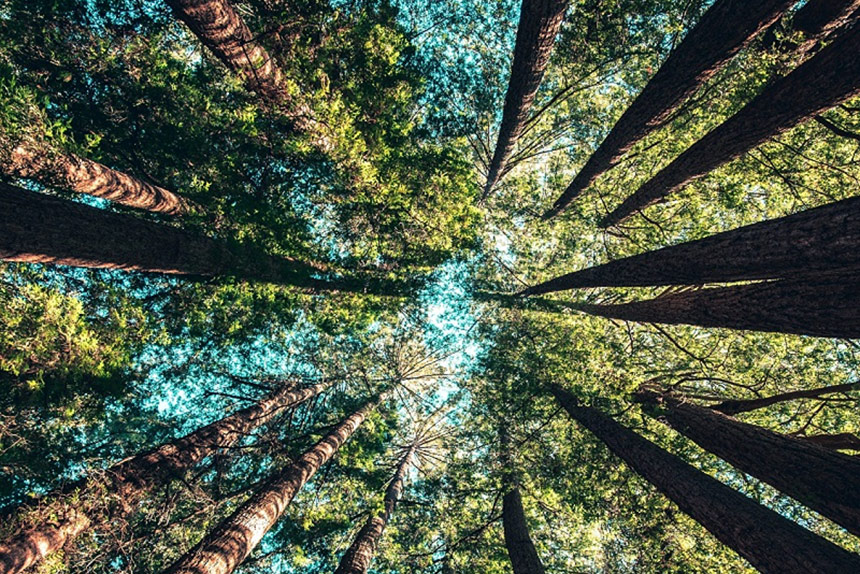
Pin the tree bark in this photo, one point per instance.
(724, 29)
(540, 21)
(359, 555)
(821, 240)
(843, 440)
(770, 542)
(521, 549)
(816, 21)
(131, 478)
(227, 546)
(828, 78)
(733, 406)
(829, 307)
(820, 478)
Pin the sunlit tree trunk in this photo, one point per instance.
(771, 543)
(820, 478)
(131, 478)
(225, 547)
(815, 21)
(538, 27)
(724, 29)
(734, 406)
(823, 81)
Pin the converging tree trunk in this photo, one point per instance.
(838, 441)
(131, 478)
(815, 21)
(538, 27)
(521, 549)
(828, 78)
(735, 406)
(359, 555)
(724, 29)
(229, 543)
(820, 478)
(769, 541)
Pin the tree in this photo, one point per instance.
(736, 406)
(816, 21)
(723, 30)
(770, 542)
(539, 24)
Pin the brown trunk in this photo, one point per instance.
(829, 307)
(538, 27)
(770, 542)
(824, 239)
(822, 479)
(521, 549)
(68, 171)
(815, 21)
(225, 547)
(359, 555)
(733, 407)
(843, 440)
(724, 29)
(823, 81)
(131, 478)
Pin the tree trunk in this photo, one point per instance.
(724, 29)
(769, 541)
(357, 558)
(824, 239)
(815, 21)
(829, 307)
(823, 81)
(538, 27)
(733, 407)
(69, 171)
(822, 479)
(843, 440)
(227, 546)
(521, 549)
(131, 478)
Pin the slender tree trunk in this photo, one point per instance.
(521, 549)
(822, 479)
(815, 21)
(843, 440)
(724, 29)
(359, 555)
(227, 546)
(733, 407)
(828, 78)
(829, 307)
(770, 542)
(131, 478)
(538, 27)
(69, 171)
(809, 243)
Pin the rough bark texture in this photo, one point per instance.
(829, 307)
(770, 542)
(816, 21)
(820, 478)
(521, 549)
(843, 440)
(223, 549)
(538, 27)
(724, 29)
(359, 555)
(733, 407)
(69, 171)
(823, 81)
(824, 239)
(132, 477)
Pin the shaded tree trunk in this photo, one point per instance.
(359, 555)
(829, 307)
(843, 440)
(538, 27)
(131, 478)
(820, 478)
(227, 546)
(733, 406)
(724, 29)
(824, 239)
(769, 541)
(815, 21)
(521, 549)
(828, 78)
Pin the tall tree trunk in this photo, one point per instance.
(769, 541)
(69, 171)
(131, 478)
(822, 479)
(815, 21)
(829, 307)
(824, 239)
(734, 406)
(521, 549)
(724, 29)
(538, 27)
(38, 228)
(828, 78)
(227, 546)
(359, 555)
(843, 440)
